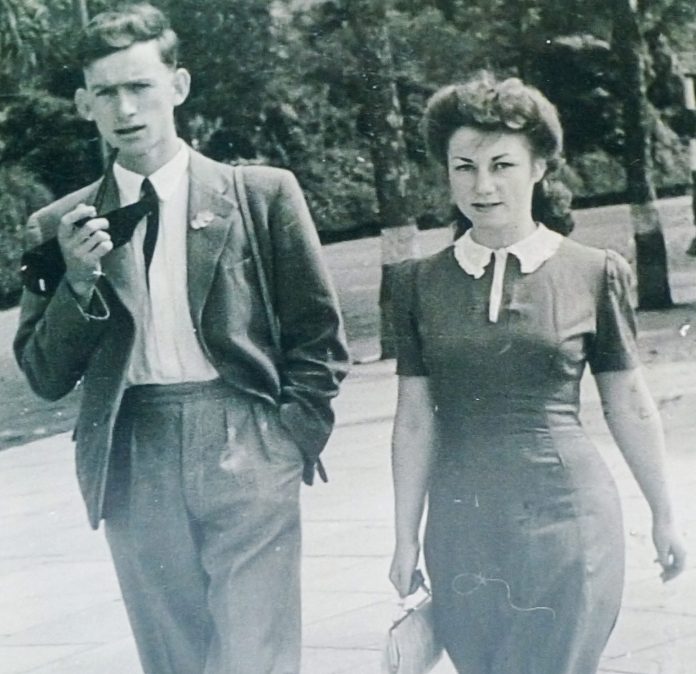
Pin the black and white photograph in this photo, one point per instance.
(347, 336)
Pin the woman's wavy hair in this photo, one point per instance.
(507, 106)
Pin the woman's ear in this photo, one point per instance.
(82, 103)
(539, 167)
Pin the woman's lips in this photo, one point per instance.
(486, 206)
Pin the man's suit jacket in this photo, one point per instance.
(57, 346)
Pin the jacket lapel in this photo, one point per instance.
(211, 215)
(212, 212)
(119, 265)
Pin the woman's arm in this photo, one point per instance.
(635, 423)
(412, 452)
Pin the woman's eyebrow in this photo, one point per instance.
(496, 158)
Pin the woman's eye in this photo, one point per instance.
(502, 165)
(464, 167)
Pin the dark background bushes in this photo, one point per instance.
(21, 193)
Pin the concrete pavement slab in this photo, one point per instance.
(60, 609)
(339, 660)
(115, 657)
(34, 657)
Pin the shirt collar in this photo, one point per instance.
(165, 179)
(532, 251)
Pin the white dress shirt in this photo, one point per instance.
(532, 252)
(166, 349)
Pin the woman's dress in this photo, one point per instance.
(524, 543)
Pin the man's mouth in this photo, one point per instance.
(129, 130)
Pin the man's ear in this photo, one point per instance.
(182, 85)
(82, 103)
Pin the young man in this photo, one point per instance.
(196, 426)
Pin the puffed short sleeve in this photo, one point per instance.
(409, 353)
(614, 344)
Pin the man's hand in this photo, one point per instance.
(82, 248)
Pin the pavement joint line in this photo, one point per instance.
(350, 469)
(339, 556)
(658, 644)
(47, 558)
(640, 609)
(60, 658)
(370, 649)
(352, 521)
(342, 614)
(367, 421)
(372, 593)
(67, 616)
(361, 373)
(350, 611)
(51, 644)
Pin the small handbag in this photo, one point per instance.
(412, 647)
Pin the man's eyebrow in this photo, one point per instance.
(100, 86)
(114, 85)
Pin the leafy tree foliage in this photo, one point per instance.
(20, 195)
(280, 82)
(24, 26)
(43, 135)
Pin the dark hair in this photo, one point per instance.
(111, 31)
(508, 106)
(492, 105)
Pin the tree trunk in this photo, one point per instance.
(651, 255)
(383, 123)
(80, 12)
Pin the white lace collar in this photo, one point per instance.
(532, 251)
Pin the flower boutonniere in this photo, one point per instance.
(202, 219)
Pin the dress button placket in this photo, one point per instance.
(500, 255)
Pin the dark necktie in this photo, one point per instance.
(148, 194)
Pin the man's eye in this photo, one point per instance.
(502, 165)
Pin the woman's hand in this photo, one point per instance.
(635, 423)
(671, 551)
(403, 567)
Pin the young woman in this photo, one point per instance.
(524, 543)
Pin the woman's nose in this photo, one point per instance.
(484, 182)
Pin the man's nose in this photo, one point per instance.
(126, 104)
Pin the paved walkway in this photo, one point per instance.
(60, 610)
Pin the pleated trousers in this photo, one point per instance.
(203, 520)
